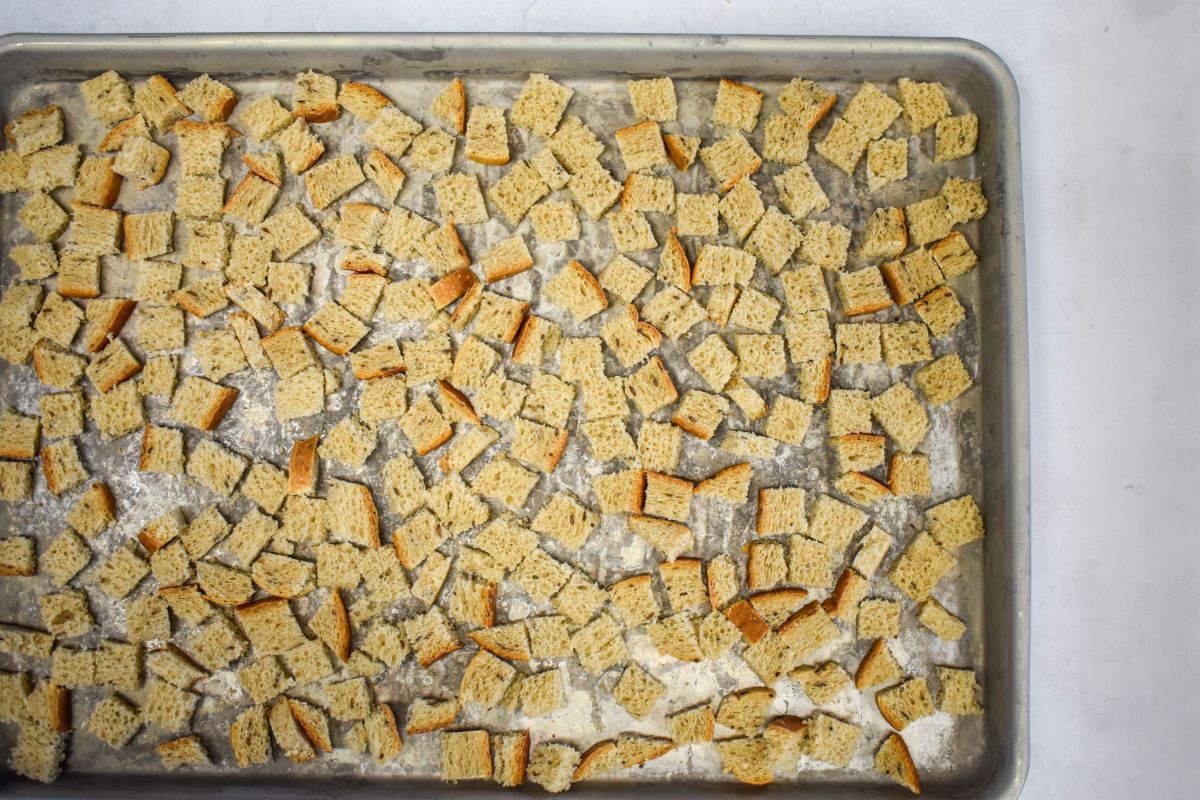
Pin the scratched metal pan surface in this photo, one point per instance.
(984, 440)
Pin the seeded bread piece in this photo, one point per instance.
(893, 760)
(314, 722)
(250, 738)
(60, 464)
(115, 721)
(540, 105)
(830, 740)
(903, 704)
(186, 751)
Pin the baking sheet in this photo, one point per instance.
(976, 437)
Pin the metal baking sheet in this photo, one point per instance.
(980, 445)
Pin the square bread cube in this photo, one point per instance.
(651, 387)
(919, 568)
(114, 721)
(928, 220)
(61, 414)
(887, 162)
(730, 159)
(905, 343)
(577, 291)
(540, 105)
(859, 343)
(653, 98)
(886, 235)
(574, 145)
(555, 221)
(808, 336)
(955, 522)
(781, 510)
(901, 415)
(825, 244)
(965, 200)
(605, 397)
(844, 145)
(908, 475)
(742, 207)
(788, 420)
(631, 231)
(934, 616)
(923, 103)
(954, 255)
(594, 189)
(720, 304)
(737, 105)
(863, 292)
(800, 192)
(872, 110)
(700, 413)
(916, 273)
(774, 239)
(667, 496)
(641, 146)
(785, 139)
(760, 355)
(696, 214)
(944, 379)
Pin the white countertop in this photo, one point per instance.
(1110, 132)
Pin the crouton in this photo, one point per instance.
(696, 214)
(893, 760)
(673, 312)
(653, 99)
(250, 738)
(55, 365)
(594, 189)
(506, 258)
(717, 264)
(641, 146)
(450, 106)
(552, 765)
(630, 230)
(485, 680)
(540, 575)
(785, 140)
(944, 379)
(700, 413)
(644, 192)
(114, 721)
(186, 751)
(620, 492)
(669, 538)
(774, 239)
(863, 292)
(142, 161)
(923, 104)
(599, 645)
(61, 466)
(96, 183)
(748, 759)
(934, 616)
(901, 705)
(878, 618)
(487, 136)
(540, 105)
(830, 740)
(45, 219)
(108, 98)
(742, 207)
(921, 566)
